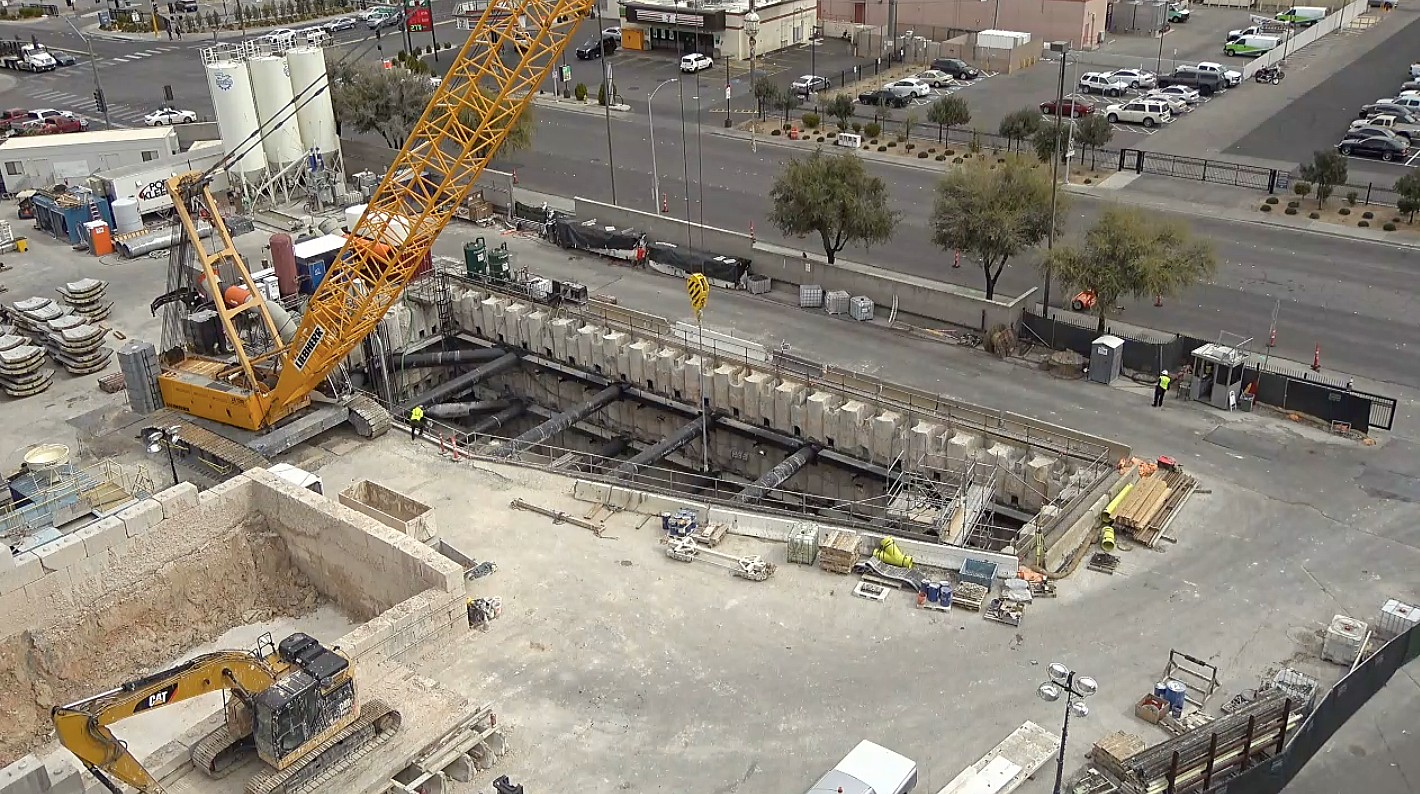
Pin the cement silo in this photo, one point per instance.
(311, 84)
(271, 83)
(229, 82)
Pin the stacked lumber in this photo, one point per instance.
(1143, 502)
(1253, 729)
(1180, 486)
(1112, 751)
(839, 553)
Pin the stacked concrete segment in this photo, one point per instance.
(138, 361)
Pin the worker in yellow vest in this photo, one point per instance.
(416, 422)
(1161, 389)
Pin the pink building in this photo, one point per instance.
(1081, 22)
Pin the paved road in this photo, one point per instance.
(1361, 315)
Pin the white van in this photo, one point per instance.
(1251, 46)
(869, 769)
(1302, 16)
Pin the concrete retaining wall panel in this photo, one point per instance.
(26, 569)
(141, 517)
(177, 499)
(102, 535)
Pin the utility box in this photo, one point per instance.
(1106, 358)
(391, 508)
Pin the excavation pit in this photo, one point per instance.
(134, 592)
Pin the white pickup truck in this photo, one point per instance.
(869, 769)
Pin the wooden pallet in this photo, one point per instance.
(839, 552)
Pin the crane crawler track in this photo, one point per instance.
(377, 724)
(369, 418)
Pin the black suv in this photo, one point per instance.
(883, 97)
(956, 67)
(591, 49)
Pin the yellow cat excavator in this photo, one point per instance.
(266, 371)
(294, 703)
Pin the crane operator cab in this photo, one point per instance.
(316, 697)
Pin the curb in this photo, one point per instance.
(573, 106)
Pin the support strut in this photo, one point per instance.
(462, 383)
(665, 447)
(777, 476)
(444, 358)
(460, 410)
(560, 422)
(497, 420)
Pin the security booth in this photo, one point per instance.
(1217, 375)
(1106, 358)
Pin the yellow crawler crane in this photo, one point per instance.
(294, 704)
(471, 113)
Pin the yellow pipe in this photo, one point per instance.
(1107, 538)
(1116, 502)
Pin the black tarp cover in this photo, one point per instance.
(722, 271)
(618, 243)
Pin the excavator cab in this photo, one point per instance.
(315, 698)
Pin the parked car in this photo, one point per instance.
(285, 37)
(1101, 83)
(1382, 147)
(52, 125)
(1251, 46)
(1070, 108)
(614, 33)
(11, 117)
(810, 84)
(1175, 104)
(882, 97)
(1150, 113)
(597, 48)
(909, 87)
(1372, 131)
(1178, 14)
(1409, 101)
(1408, 126)
(1204, 82)
(1135, 78)
(340, 24)
(64, 118)
(695, 62)
(955, 67)
(1232, 78)
(1377, 108)
(1415, 70)
(1183, 92)
(937, 79)
(872, 769)
(1263, 29)
(1302, 16)
(167, 116)
(62, 58)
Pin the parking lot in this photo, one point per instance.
(1316, 119)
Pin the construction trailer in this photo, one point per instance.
(69, 159)
(146, 183)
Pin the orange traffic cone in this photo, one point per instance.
(751, 232)
(1272, 337)
(1316, 359)
(1158, 300)
(956, 259)
(665, 203)
(515, 176)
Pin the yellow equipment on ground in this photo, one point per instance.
(295, 704)
(272, 372)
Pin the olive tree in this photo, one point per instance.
(833, 196)
(993, 214)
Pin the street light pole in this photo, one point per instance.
(752, 29)
(1074, 688)
(610, 97)
(1061, 48)
(94, 65)
(651, 118)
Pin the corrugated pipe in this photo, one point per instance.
(138, 246)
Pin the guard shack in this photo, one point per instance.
(1217, 375)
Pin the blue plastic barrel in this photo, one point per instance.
(1161, 691)
(945, 598)
(934, 592)
(1176, 693)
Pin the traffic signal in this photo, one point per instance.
(99, 103)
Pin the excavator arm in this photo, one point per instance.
(471, 114)
(83, 726)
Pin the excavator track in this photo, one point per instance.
(369, 418)
(377, 724)
(221, 751)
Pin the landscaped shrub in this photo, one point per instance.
(811, 120)
(956, 160)
(1344, 211)
(1390, 227)
(1266, 208)
(1291, 210)
(882, 148)
(857, 127)
(1368, 215)
(580, 92)
(1272, 199)
(820, 139)
(774, 131)
(892, 143)
(1293, 204)
(942, 158)
(1351, 197)
(1314, 215)
(921, 155)
(872, 129)
(950, 152)
(909, 147)
(1363, 224)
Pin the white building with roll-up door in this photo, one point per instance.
(43, 161)
(716, 28)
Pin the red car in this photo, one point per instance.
(1071, 108)
(10, 118)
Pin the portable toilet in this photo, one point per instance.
(1106, 358)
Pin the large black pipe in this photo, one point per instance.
(443, 358)
(460, 410)
(497, 420)
(611, 448)
(560, 422)
(666, 446)
(456, 386)
(777, 476)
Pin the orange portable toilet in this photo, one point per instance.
(100, 239)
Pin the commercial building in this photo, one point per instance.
(69, 159)
(716, 28)
(1081, 22)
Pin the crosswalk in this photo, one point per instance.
(140, 55)
(83, 104)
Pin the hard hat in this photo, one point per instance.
(1165, 372)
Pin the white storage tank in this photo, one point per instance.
(126, 217)
(229, 82)
(271, 84)
(316, 117)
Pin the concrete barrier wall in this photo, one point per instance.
(934, 300)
